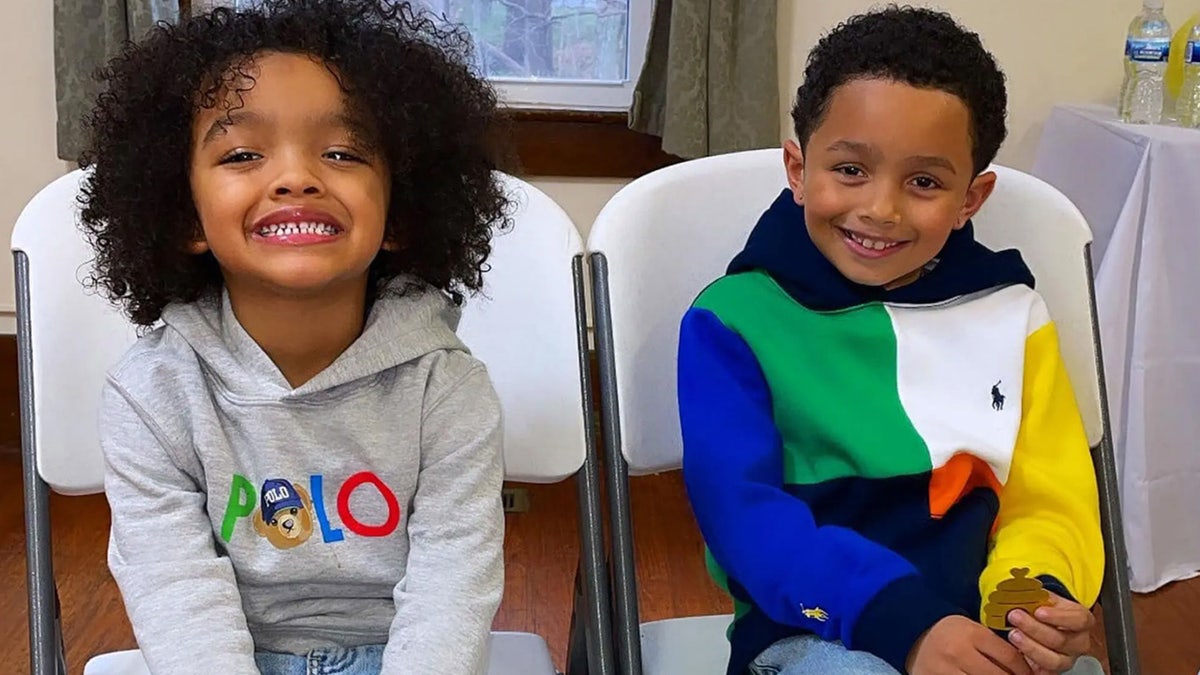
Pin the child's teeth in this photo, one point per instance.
(870, 243)
(284, 229)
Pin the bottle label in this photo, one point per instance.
(1192, 53)
(1154, 50)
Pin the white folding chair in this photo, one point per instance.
(660, 240)
(525, 328)
(528, 326)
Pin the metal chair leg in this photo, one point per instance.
(59, 641)
(593, 601)
(1115, 595)
(627, 633)
(44, 635)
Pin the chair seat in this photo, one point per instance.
(693, 646)
(510, 654)
(519, 654)
(117, 663)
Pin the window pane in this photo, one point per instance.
(573, 40)
(540, 42)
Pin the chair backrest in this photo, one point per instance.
(665, 237)
(523, 327)
(1030, 215)
(669, 234)
(74, 335)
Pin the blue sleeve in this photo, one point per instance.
(1057, 587)
(765, 539)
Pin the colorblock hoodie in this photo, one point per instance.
(863, 463)
(362, 507)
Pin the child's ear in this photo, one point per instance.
(980, 189)
(793, 162)
(198, 244)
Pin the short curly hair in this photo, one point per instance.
(408, 75)
(916, 46)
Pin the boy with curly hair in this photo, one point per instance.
(878, 427)
(303, 461)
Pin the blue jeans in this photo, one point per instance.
(365, 660)
(809, 655)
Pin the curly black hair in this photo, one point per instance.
(407, 75)
(920, 47)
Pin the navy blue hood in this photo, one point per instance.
(781, 247)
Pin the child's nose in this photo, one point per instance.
(882, 206)
(283, 190)
(297, 179)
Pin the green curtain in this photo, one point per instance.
(87, 33)
(710, 81)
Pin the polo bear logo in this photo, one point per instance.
(285, 514)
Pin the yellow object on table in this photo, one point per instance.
(1174, 78)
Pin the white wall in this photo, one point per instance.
(1084, 35)
(581, 198)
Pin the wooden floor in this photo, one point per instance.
(540, 552)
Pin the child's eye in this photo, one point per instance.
(926, 183)
(240, 156)
(343, 156)
(850, 171)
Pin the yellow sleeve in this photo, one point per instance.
(1049, 518)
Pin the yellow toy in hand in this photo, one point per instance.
(1017, 592)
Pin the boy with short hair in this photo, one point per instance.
(878, 426)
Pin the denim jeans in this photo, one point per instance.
(365, 660)
(810, 655)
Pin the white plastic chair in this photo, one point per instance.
(525, 328)
(660, 240)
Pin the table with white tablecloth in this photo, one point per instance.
(1139, 188)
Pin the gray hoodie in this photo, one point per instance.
(362, 507)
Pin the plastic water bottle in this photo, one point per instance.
(1187, 106)
(1123, 99)
(1147, 46)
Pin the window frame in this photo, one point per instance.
(614, 96)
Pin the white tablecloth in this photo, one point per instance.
(1139, 187)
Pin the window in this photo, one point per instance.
(548, 54)
(558, 54)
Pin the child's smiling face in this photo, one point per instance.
(886, 177)
(292, 200)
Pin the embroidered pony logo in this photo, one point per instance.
(997, 397)
(816, 614)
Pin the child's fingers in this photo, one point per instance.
(1066, 615)
(1040, 655)
(1042, 633)
(994, 655)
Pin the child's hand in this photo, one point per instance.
(1054, 637)
(957, 645)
